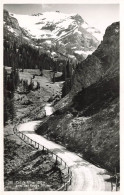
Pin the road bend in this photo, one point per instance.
(85, 176)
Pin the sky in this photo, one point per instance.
(97, 15)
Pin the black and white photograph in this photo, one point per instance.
(61, 97)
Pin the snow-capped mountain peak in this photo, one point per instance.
(58, 31)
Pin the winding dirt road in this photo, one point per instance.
(85, 176)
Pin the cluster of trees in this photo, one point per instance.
(10, 84)
(25, 87)
(22, 56)
(68, 77)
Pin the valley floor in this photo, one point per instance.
(37, 97)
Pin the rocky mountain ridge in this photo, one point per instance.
(54, 32)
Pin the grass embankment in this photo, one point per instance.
(25, 168)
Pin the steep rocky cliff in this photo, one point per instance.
(87, 120)
(105, 59)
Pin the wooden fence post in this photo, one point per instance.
(116, 178)
(56, 159)
(66, 187)
(111, 185)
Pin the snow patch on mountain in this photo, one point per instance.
(77, 31)
(85, 25)
(15, 31)
(95, 32)
(35, 25)
(84, 53)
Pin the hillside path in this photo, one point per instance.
(85, 176)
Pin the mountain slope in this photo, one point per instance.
(87, 119)
(106, 57)
(54, 32)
